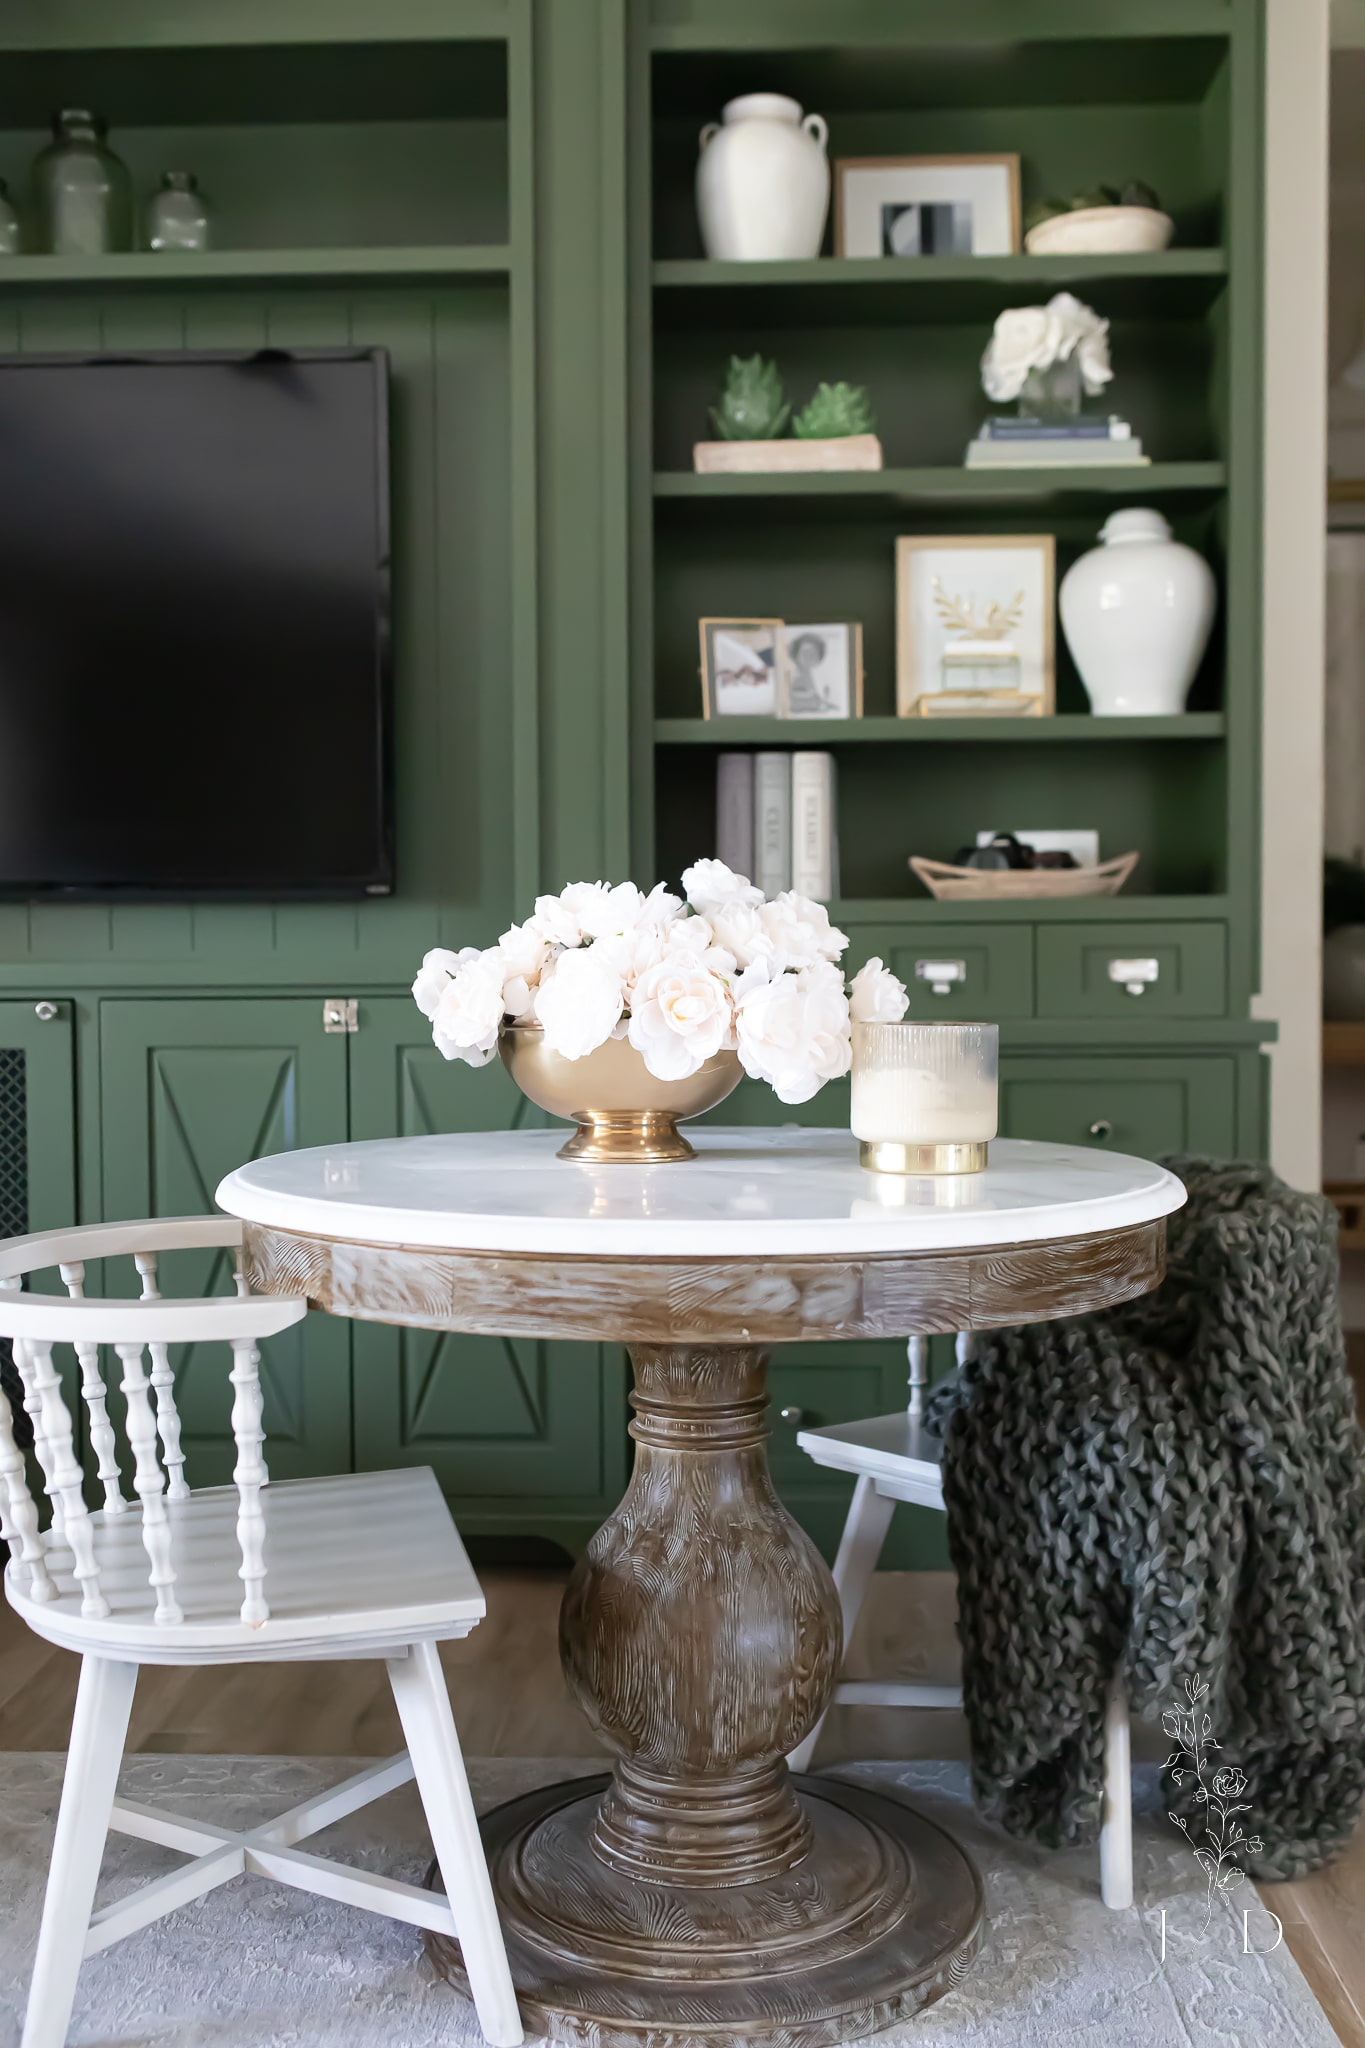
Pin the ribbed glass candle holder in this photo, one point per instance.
(926, 1097)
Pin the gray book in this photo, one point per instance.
(772, 822)
(735, 812)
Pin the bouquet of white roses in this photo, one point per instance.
(682, 978)
(1028, 338)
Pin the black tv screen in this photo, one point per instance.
(194, 625)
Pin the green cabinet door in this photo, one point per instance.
(37, 1145)
(37, 1116)
(1148, 1104)
(526, 1438)
(189, 1090)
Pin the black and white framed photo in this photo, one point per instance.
(909, 206)
(820, 671)
(739, 667)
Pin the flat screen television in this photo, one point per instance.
(195, 689)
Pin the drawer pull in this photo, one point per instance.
(792, 1416)
(46, 1011)
(1101, 1129)
(941, 974)
(1136, 975)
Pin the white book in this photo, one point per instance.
(735, 812)
(772, 822)
(813, 825)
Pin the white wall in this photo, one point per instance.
(1295, 388)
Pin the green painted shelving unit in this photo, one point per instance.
(499, 192)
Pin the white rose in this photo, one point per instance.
(562, 920)
(433, 976)
(876, 995)
(629, 954)
(524, 956)
(740, 929)
(689, 935)
(709, 883)
(1023, 340)
(681, 1014)
(1093, 353)
(470, 1011)
(800, 931)
(793, 1032)
(578, 1002)
(661, 907)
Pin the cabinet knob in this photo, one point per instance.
(1135, 975)
(45, 1012)
(1101, 1129)
(792, 1416)
(941, 975)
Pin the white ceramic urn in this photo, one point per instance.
(763, 181)
(1137, 612)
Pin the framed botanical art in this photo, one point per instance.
(820, 671)
(909, 206)
(739, 677)
(974, 625)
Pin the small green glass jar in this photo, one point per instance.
(177, 217)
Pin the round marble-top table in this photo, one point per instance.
(701, 1891)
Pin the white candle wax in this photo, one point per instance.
(911, 1106)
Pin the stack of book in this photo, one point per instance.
(776, 821)
(1008, 442)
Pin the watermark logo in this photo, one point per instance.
(1216, 1835)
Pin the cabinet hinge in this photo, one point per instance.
(339, 1013)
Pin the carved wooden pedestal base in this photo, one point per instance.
(694, 1893)
(880, 1917)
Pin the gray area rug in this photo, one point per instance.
(255, 1963)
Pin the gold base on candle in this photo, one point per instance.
(886, 1156)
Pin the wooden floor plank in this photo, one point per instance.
(511, 1699)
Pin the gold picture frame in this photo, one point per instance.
(714, 690)
(950, 662)
(860, 233)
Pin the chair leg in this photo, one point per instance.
(104, 1699)
(419, 1691)
(1116, 1820)
(869, 1518)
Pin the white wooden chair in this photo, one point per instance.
(364, 1565)
(898, 1458)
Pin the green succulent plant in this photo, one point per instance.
(1134, 193)
(834, 411)
(751, 406)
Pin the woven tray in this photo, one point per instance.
(962, 885)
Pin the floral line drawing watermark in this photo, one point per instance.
(1222, 1838)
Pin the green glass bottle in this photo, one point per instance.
(81, 191)
(177, 217)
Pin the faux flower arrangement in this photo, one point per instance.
(1029, 338)
(682, 978)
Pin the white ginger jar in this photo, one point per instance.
(763, 181)
(1137, 612)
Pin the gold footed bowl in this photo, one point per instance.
(625, 1115)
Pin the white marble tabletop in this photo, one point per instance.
(748, 1193)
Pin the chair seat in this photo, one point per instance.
(897, 1452)
(354, 1564)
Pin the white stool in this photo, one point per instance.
(898, 1458)
(366, 1565)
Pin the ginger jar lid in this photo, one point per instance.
(1134, 522)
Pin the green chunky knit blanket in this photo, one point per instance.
(1171, 1489)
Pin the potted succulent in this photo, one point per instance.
(834, 430)
(1106, 220)
(625, 1012)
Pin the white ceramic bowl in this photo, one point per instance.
(1101, 231)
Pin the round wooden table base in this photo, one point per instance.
(880, 1917)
